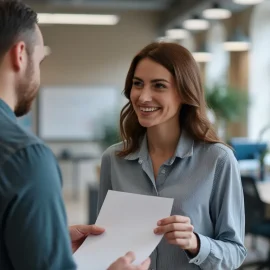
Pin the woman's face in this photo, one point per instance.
(154, 96)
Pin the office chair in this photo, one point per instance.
(248, 150)
(256, 224)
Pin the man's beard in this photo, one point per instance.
(26, 92)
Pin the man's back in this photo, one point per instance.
(33, 229)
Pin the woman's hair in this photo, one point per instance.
(181, 64)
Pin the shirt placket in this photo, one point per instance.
(158, 186)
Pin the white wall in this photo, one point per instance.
(259, 83)
(93, 55)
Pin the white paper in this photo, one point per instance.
(129, 221)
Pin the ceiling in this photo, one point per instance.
(113, 4)
(172, 11)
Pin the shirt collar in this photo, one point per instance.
(184, 148)
(7, 110)
(185, 145)
(141, 153)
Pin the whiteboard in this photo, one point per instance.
(76, 113)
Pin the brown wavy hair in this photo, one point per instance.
(181, 64)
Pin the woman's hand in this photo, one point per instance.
(178, 231)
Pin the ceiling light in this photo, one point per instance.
(196, 24)
(216, 13)
(202, 55)
(177, 33)
(164, 39)
(247, 2)
(238, 42)
(236, 46)
(77, 19)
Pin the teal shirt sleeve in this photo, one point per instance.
(35, 230)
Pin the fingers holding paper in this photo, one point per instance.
(178, 231)
(78, 234)
(125, 263)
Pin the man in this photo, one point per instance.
(33, 226)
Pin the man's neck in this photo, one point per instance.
(7, 93)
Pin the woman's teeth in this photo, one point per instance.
(150, 109)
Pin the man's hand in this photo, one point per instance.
(78, 234)
(125, 263)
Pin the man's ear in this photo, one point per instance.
(18, 55)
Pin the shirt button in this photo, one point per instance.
(163, 171)
(140, 161)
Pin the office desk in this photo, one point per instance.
(75, 161)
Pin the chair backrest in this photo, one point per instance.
(248, 150)
(254, 207)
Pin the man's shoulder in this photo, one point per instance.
(14, 138)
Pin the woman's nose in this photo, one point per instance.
(145, 95)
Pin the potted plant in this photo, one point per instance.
(110, 135)
(228, 104)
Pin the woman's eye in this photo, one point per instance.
(137, 83)
(160, 86)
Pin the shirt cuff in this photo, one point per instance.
(204, 251)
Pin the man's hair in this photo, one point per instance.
(17, 23)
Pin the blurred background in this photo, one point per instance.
(89, 46)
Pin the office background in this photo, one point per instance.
(85, 58)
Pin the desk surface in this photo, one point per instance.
(264, 191)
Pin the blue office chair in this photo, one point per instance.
(244, 150)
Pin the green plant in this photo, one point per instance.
(228, 103)
(110, 136)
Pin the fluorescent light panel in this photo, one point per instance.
(217, 13)
(77, 19)
(247, 2)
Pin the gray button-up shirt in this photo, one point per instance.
(205, 183)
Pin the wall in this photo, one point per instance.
(93, 55)
(259, 83)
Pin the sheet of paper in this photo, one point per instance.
(129, 220)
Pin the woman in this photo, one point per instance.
(170, 149)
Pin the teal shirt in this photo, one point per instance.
(33, 223)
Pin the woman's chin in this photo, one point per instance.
(146, 124)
